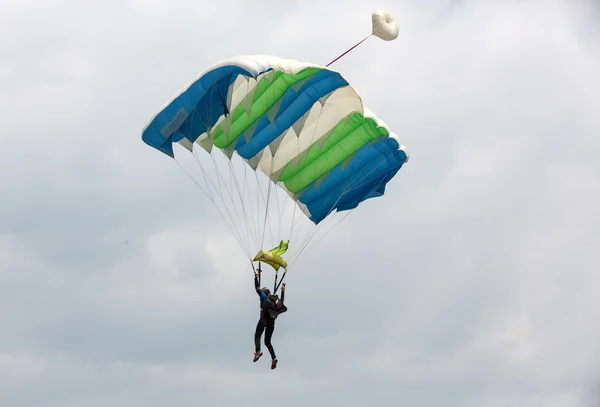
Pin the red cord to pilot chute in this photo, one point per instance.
(356, 45)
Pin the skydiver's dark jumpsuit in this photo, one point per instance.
(266, 321)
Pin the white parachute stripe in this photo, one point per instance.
(241, 87)
(320, 121)
(321, 118)
(258, 66)
(254, 64)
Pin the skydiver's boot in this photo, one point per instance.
(257, 355)
(273, 363)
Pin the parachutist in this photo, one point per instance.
(270, 308)
(301, 125)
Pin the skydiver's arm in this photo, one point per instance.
(282, 292)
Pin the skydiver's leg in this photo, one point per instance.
(268, 334)
(260, 327)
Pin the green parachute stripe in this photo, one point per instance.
(269, 91)
(344, 141)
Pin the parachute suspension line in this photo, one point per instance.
(203, 175)
(259, 194)
(276, 191)
(236, 233)
(328, 217)
(195, 182)
(306, 250)
(321, 225)
(294, 223)
(223, 185)
(206, 178)
(260, 205)
(297, 220)
(350, 49)
(284, 211)
(250, 220)
(237, 185)
(348, 212)
(235, 223)
(266, 217)
(309, 236)
(231, 195)
(276, 238)
(253, 227)
(279, 217)
(344, 217)
(196, 157)
(348, 189)
(241, 240)
(270, 182)
(299, 235)
(210, 182)
(219, 178)
(245, 201)
(270, 79)
(220, 212)
(359, 185)
(295, 203)
(246, 246)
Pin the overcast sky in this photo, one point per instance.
(473, 282)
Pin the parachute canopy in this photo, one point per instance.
(302, 125)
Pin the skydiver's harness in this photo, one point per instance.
(271, 308)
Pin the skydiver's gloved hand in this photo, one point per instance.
(283, 287)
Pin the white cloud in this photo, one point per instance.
(472, 282)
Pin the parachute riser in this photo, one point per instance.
(276, 286)
(257, 272)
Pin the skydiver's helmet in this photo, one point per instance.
(265, 290)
